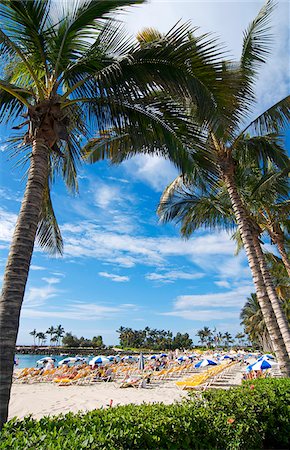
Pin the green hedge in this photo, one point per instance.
(253, 416)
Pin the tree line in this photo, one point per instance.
(154, 339)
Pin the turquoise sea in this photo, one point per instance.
(25, 360)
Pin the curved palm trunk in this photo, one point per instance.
(283, 254)
(263, 299)
(275, 302)
(17, 268)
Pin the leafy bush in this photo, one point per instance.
(253, 416)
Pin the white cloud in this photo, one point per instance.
(234, 298)
(7, 225)
(35, 267)
(106, 195)
(223, 283)
(152, 170)
(75, 311)
(37, 296)
(3, 147)
(51, 280)
(173, 275)
(114, 277)
(202, 315)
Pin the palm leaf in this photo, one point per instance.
(48, 232)
(273, 120)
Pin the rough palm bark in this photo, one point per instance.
(17, 268)
(277, 237)
(275, 302)
(262, 295)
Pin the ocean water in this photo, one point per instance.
(26, 360)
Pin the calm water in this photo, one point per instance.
(30, 360)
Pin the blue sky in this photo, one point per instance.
(120, 266)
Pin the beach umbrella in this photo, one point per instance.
(111, 358)
(163, 355)
(141, 362)
(45, 360)
(267, 356)
(128, 358)
(225, 357)
(71, 360)
(205, 362)
(259, 365)
(182, 358)
(153, 357)
(99, 360)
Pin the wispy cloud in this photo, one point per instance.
(114, 277)
(152, 170)
(212, 306)
(170, 277)
(51, 280)
(35, 267)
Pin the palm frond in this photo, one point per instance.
(256, 47)
(259, 150)
(273, 120)
(48, 232)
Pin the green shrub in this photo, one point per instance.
(253, 416)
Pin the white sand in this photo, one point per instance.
(47, 399)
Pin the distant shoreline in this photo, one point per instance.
(70, 351)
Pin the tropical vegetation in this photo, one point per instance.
(153, 339)
(255, 415)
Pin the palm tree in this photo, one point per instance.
(50, 332)
(54, 339)
(59, 333)
(254, 324)
(204, 335)
(227, 338)
(41, 338)
(71, 72)
(240, 337)
(226, 142)
(33, 333)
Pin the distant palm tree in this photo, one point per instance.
(240, 336)
(227, 338)
(33, 333)
(54, 339)
(59, 333)
(50, 332)
(204, 335)
(41, 338)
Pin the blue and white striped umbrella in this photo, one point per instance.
(153, 357)
(99, 360)
(259, 365)
(205, 362)
(182, 358)
(129, 358)
(163, 355)
(225, 357)
(266, 357)
(45, 360)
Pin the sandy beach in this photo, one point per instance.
(43, 399)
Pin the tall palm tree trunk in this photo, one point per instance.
(17, 268)
(263, 299)
(283, 254)
(275, 302)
